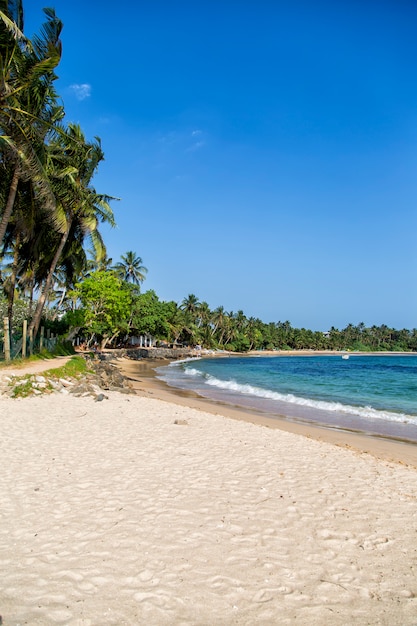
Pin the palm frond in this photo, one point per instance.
(14, 30)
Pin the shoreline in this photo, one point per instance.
(323, 353)
(142, 377)
(158, 508)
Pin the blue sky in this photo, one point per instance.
(265, 152)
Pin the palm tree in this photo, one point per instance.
(203, 315)
(191, 304)
(131, 268)
(94, 264)
(221, 322)
(28, 106)
(253, 333)
(80, 208)
(229, 330)
(240, 320)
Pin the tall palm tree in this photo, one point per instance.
(28, 102)
(203, 315)
(94, 264)
(190, 305)
(80, 208)
(131, 268)
(220, 317)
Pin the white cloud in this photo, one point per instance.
(197, 139)
(81, 91)
(196, 146)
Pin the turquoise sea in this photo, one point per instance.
(371, 394)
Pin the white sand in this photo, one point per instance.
(112, 514)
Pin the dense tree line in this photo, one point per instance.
(54, 267)
(106, 306)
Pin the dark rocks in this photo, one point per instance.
(148, 353)
(107, 376)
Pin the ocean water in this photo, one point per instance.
(372, 394)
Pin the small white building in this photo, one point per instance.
(143, 341)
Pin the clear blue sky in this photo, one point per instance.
(265, 152)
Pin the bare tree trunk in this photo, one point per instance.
(58, 306)
(13, 280)
(36, 320)
(72, 333)
(104, 342)
(10, 203)
(32, 289)
(107, 340)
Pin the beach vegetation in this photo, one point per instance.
(48, 206)
(106, 306)
(23, 386)
(149, 316)
(79, 208)
(28, 106)
(74, 368)
(130, 268)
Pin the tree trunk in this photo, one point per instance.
(58, 306)
(72, 333)
(107, 340)
(32, 289)
(36, 320)
(13, 280)
(10, 203)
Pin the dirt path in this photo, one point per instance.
(34, 367)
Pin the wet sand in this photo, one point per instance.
(142, 377)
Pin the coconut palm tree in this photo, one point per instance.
(73, 162)
(191, 305)
(131, 268)
(28, 102)
(203, 315)
(104, 264)
(220, 320)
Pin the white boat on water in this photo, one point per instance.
(345, 356)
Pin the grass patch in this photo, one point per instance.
(74, 368)
(22, 389)
(64, 348)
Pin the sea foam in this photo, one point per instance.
(250, 391)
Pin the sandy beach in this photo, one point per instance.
(142, 510)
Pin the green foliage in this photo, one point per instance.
(74, 368)
(107, 304)
(20, 313)
(130, 268)
(74, 318)
(360, 347)
(22, 389)
(57, 327)
(63, 348)
(149, 316)
(241, 343)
